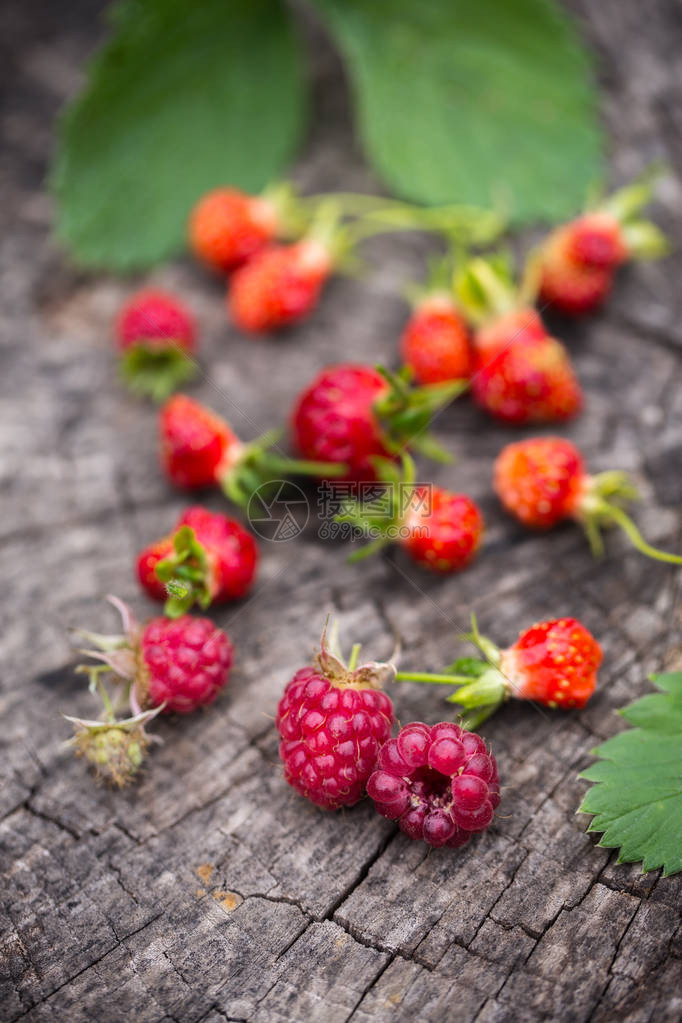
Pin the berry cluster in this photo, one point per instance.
(474, 328)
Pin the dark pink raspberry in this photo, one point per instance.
(332, 723)
(184, 663)
(153, 318)
(440, 783)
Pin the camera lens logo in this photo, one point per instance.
(278, 511)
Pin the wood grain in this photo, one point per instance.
(210, 891)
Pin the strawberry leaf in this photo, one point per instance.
(637, 798)
(182, 98)
(484, 103)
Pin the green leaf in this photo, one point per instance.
(183, 97)
(478, 103)
(637, 796)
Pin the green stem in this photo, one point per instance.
(440, 680)
(105, 700)
(301, 467)
(354, 655)
(636, 539)
(369, 549)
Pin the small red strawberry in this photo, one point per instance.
(155, 335)
(529, 381)
(543, 481)
(333, 719)
(435, 344)
(279, 285)
(501, 331)
(521, 374)
(439, 530)
(354, 414)
(175, 665)
(200, 449)
(227, 227)
(440, 783)
(578, 261)
(208, 558)
(553, 663)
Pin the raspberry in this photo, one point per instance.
(332, 721)
(177, 664)
(440, 783)
(184, 663)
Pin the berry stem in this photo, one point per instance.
(623, 520)
(440, 680)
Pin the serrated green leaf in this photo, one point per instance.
(479, 103)
(637, 796)
(183, 97)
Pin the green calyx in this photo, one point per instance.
(643, 239)
(480, 685)
(156, 372)
(186, 574)
(379, 517)
(259, 466)
(486, 288)
(404, 413)
(602, 506)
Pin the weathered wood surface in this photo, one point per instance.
(210, 892)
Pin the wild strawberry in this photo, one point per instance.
(227, 227)
(435, 344)
(443, 530)
(571, 288)
(521, 375)
(439, 783)
(437, 529)
(333, 719)
(506, 329)
(554, 663)
(529, 381)
(543, 481)
(176, 665)
(200, 449)
(155, 335)
(578, 260)
(354, 414)
(278, 286)
(208, 558)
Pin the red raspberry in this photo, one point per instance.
(353, 414)
(197, 446)
(334, 418)
(219, 560)
(227, 227)
(278, 286)
(153, 318)
(183, 663)
(332, 721)
(146, 564)
(440, 783)
(155, 336)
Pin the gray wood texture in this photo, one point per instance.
(210, 891)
